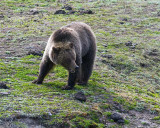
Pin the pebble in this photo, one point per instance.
(80, 96)
(117, 118)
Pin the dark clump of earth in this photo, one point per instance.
(1, 16)
(60, 12)
(3, 86)
(121, 22)
(124, 19)
(69, 10)
(35, 52)
(105, 45)
(83, 11)
(107, 56)
(144, 65)
(80, 96)
(34, 11)
(130, 44)
(117, 118)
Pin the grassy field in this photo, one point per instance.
(126, 76)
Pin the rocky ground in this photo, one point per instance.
(124, 90)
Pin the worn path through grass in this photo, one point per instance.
(126, 77)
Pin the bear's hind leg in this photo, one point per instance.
(87, 67)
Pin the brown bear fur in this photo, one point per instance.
(74, 47)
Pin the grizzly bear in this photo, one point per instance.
(74, 47)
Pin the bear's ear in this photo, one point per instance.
(71, 45)
(56, 50)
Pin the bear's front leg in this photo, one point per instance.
(45, 67)
(71, 80)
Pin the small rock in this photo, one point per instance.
(34, 11)
(1, 16)
(35, 53)
(124, 19)
(143, 65)
(104, 61)
(60, 12)
(117, 118)
(105, 45)
(129, 43)
(3, 86)
(89, 12)
(158, 13)
(121, 22)
(37, 5)
(80, 96)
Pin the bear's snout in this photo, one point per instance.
(75, 68)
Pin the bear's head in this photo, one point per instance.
(64, 54)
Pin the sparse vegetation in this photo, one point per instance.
(126, 76)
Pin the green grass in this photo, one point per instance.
(121, 79)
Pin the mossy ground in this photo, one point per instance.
(128, 80)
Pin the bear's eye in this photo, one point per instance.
(56, 50)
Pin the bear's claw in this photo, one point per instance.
(36, 82)
(67, 87)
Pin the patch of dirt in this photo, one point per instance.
(136, 120)
(153, 54)
(35, 45)
(139, 118)
(24, 121)
(21, 49)
(35, 52)
(21, 121)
